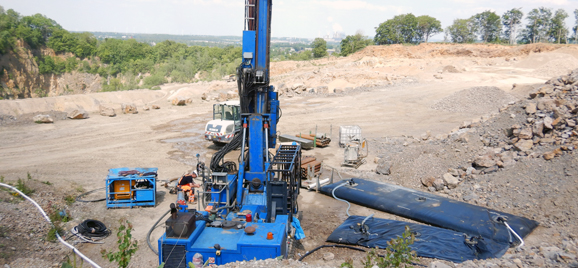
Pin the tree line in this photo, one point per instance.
(542, 25)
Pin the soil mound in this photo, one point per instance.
(432, 50)
(475, 100)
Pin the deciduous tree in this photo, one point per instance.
(488, 26)
(462, 31)
(400, 29)
(427, 27)
(576, 26)
(319, 48)
(511, 20)
(558, 32)
(538, 25)
(354, 43)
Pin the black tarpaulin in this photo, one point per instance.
(430, 242)
(475, 221)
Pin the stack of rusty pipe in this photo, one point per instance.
(319, 141)
(308, 162)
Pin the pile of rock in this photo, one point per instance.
(299, 88)
(551, 118)
(548, 130)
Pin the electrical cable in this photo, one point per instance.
(91, 262)
(344, 246)
(333, 193)
(89, 192)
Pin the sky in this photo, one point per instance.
(291, 18)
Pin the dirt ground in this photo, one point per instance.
(405, 99)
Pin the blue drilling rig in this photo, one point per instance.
(245, 212)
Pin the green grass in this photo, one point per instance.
(69, 199)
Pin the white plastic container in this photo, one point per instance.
(348, 134)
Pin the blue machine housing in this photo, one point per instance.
(235, 244)
(140, 191)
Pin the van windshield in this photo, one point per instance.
(225, 112)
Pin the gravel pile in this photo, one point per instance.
(475, 100)
(556, 68)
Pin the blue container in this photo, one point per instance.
(141, 184)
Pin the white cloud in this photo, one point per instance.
(337, 28)
(330, 19)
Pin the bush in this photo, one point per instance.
(126, 245)
(397, 254)
(155, 80)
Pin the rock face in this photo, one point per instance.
(107, 111)
(129, 108)
(21, 77)
(42, 119)
(78, 114)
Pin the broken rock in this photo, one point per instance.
(180, 101)
(107, 111)
(451, 181)
(484, 161)
(78, 114)
(383, 167)
(548, 122)
(438, 184)
(524, 145)
(42, 119)
(525, 134)
(128, 108)
(531, 108)
(428, 181)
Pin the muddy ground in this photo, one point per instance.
(406, 105)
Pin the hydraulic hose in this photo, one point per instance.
(333, 193)
(89, 192)
(151, 231)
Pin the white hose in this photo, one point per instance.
(517, 236)
(333, 193)
(48, 220)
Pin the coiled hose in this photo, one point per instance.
(93, 229)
